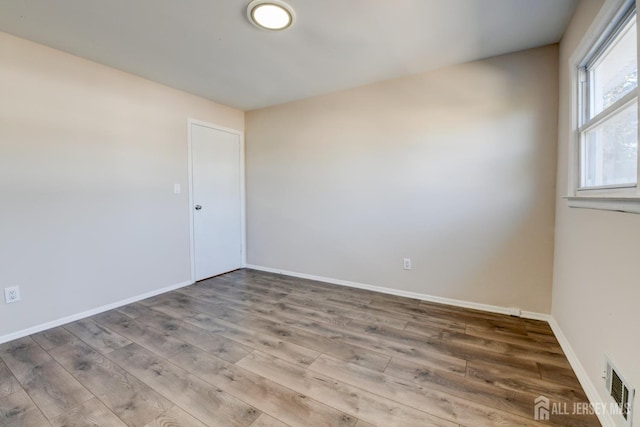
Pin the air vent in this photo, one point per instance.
(620, 391)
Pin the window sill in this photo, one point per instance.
(630, 204)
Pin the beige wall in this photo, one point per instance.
(88, 159)
(596, 291)
(454, 169)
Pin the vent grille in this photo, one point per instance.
(619, 390)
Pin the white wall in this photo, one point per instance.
(596, 290)
(88, 159)
(453, 168)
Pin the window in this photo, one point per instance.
(608, 109)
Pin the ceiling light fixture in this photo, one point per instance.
(270, 14)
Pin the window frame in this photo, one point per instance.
(611, 20)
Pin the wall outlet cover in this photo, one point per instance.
(11, 294)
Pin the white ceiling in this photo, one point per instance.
(207, 47)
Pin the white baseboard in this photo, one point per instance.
(88, 313)
(424, 297)
(590, 390)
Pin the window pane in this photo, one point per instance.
(616, 73)
(610, 150)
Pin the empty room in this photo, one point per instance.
(319, 213)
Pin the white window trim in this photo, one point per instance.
(609, 199)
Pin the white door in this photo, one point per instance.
(216, 196)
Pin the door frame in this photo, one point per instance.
(243, 216)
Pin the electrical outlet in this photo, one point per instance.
(12, 294)
(407, 264)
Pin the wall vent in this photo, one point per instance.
(619, 390)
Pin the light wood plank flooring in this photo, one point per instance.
(258, 349)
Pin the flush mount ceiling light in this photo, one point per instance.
(270, 14)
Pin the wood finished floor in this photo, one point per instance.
(257, 349)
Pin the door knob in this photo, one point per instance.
(198, 207)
